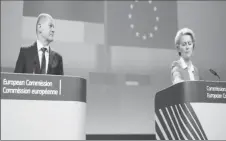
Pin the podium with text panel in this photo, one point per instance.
(191, 110)
(42, 107)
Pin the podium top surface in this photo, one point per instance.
(48, 75)
(21, 86)
(192, 91)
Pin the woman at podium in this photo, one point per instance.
(183, 69)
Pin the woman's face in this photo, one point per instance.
(186, 46)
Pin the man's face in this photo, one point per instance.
(47, 29)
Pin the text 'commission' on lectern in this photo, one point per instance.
(193, 110)
(37, 107)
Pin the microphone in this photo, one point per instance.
(214, 73)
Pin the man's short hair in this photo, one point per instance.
(40, 18)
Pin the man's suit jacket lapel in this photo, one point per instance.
(34, 51)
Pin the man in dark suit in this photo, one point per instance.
(39, 58)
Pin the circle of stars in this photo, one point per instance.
(150, 34)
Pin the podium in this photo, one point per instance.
(42, 107)
(191, 110)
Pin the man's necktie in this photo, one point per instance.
(43, 66)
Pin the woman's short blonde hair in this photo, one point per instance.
(184, 31)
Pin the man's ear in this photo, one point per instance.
(39, 27)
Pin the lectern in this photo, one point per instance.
(42, 107)
(193, 110)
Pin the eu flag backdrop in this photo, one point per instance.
(88, 11)
(150, 24)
